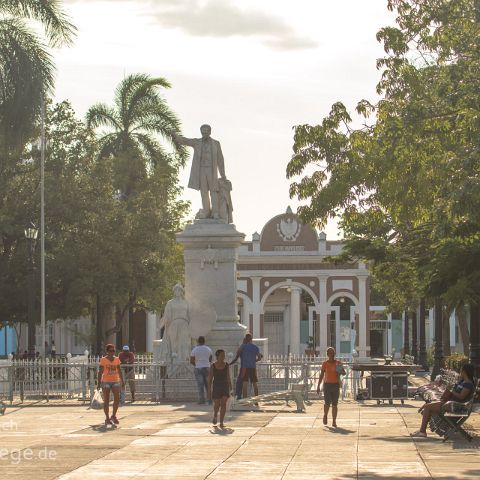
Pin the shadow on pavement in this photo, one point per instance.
(341, 431)
(222, 431)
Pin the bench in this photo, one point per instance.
(296, 392)
(453, 414)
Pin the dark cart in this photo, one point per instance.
(387, 382)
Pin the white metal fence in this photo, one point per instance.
(75, 377)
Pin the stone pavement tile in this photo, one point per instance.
(262, 437)
(167, 475)
(23, 474)
(177, 431)
(392, 469)
(250, 468)
(142, 452)
(160, 441)
(116, 464)
(315, 475)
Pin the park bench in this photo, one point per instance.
(453, 414)
(296, 391)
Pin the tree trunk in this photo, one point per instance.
(475, 337)
(98, 326)
(413, 315)
(447, 351)
(438, 354)
(463, 327)
(422, 345)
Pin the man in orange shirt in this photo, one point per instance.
(331, 371)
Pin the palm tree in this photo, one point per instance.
(130, 132)
(26, 66)
(139, 115)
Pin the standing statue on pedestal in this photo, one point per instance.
(176, 322)
(207, 163)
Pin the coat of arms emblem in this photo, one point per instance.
(289, 229)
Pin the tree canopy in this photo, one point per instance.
(406, 182)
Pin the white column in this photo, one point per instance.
(311, 310)
(256, 306)
(362, 316)
(295, 320)
(286, 328)
(322, 313)
(453, 322)
(151, 330)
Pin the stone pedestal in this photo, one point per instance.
(210, 253)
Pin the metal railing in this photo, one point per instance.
(75, 378)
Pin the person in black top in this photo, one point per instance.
(462, 391)
(219, 386)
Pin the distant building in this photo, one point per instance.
(292, 294)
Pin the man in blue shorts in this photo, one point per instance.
(249, 355)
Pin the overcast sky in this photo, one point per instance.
(252, 69)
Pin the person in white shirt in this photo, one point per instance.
(200, 358)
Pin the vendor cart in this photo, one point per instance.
(387, 382)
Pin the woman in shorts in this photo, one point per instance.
(461, 392)
(219, 386)
(110, 378)
(330, 375)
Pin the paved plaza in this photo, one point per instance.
(68, 441)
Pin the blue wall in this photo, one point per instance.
(11, 339)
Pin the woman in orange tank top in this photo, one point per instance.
(330, 375)
(110, 378)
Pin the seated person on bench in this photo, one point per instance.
(462, 392)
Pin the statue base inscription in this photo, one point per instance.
(210, 253)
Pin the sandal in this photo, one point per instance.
(114, 420)
(108, 422)
(418, 434)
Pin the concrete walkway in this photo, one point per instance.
(69, 442)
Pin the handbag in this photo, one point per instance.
(97, 400)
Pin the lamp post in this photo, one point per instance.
(31, 233)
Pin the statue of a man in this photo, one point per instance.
(176, 321)
(206, 164)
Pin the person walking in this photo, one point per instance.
(239, 381)
(110, 378)
(219, 386)
(330, 375)
(249, 356)
(127, 358)
(200, 358)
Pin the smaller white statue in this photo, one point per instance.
(176, 341)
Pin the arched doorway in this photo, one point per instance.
(341, 325)
(287, 308)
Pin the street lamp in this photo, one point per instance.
(31, 234)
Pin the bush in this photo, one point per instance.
(455, 361)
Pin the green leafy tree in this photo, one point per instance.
(129, 134)
(407, 181)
